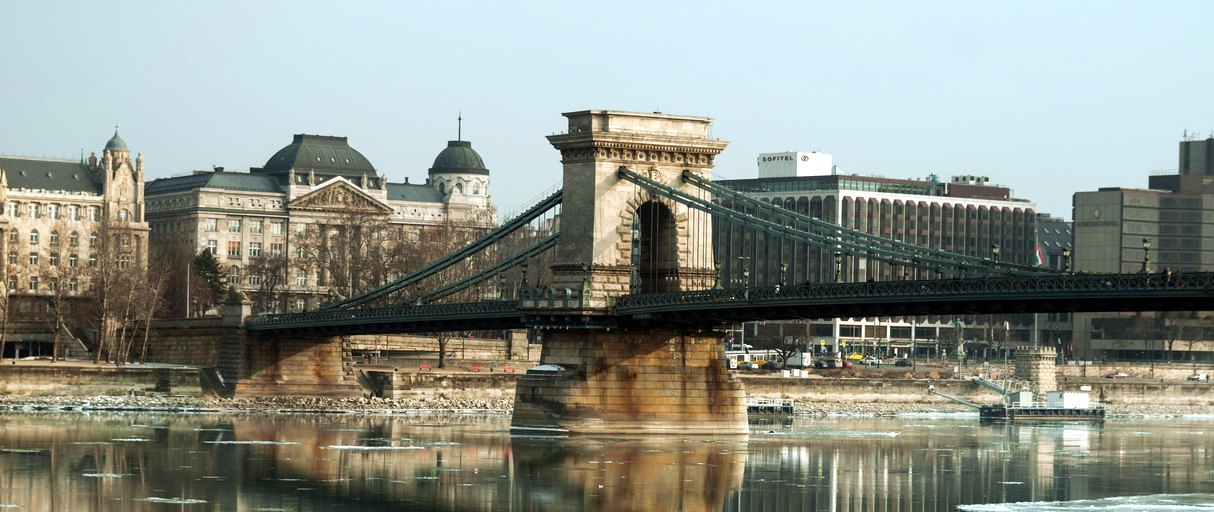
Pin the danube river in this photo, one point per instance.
(448, 461)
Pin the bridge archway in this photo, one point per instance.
(655, 257)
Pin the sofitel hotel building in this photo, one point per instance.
(966, 214)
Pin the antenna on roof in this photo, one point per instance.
(459, 133)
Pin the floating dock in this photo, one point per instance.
(769, 406)
(993, 412)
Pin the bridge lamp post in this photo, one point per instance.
(1066, 260)
(838, 267)
(995, 251)
(1146, 255)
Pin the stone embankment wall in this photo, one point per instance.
(1174, 371)
(192, 341)
(470, 349)
(76, 380)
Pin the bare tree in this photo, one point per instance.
(9, 270)
(61, 273)
(442, 338)
(340, 249)
(269, 274)
(112, 276)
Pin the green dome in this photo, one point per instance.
(116, 143)
(325, 155)
(459, 158)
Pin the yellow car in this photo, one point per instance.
(855, 357)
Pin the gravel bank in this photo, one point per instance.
(307, 404)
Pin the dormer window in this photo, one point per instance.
(459, 188)
(442, 188)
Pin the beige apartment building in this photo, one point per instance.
(313, 183)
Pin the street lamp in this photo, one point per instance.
(995, 251)
(1146, 255)
(1066, 259)
(838, 267)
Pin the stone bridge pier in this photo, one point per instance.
(596, 376)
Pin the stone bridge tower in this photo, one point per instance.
(616, 239)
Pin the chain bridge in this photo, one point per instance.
(633, 268)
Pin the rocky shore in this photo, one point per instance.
(388, 405)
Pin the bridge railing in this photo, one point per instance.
(394, 313)
(909, 289)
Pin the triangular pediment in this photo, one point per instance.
(338, 195)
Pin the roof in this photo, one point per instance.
(237, 181)
(116, 143)
(48, 174)
(409, 192)
(322, 154)
(459, 158)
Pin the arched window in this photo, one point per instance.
(476, 189)
(124, 215)
(33, 237)
(54, 238)
(234, 275)
(74, 239)
(459, 188)
(442, 188)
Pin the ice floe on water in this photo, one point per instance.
(173, 501)
(104, 475)
(1147, 503)
(251, 442)
(131, 439)
(345, 447)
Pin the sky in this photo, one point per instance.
(1047, 98)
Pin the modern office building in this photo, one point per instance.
(317, 181)
(966, 214)
(1168, 226)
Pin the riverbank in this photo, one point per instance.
(389, 405)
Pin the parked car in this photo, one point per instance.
(855, 357)
(847, 364)
(1117, 375)
(824, 363)
(871, 360)
(903, 362)
(770, 365)
(1198, 376)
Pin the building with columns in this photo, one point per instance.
(53, 216)
(243, 218)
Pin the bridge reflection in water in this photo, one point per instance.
(69, 461)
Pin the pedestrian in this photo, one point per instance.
(1167, 276)
(366, 358)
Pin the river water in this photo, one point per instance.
(457, 461)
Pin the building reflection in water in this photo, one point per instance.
(112, 461)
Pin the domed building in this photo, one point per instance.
(251, 220)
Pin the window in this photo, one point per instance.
(35, 211)
(52, 259)
(33, 259)
(442, 188)
(212, 224)
(233, 201)
(92, 239)
(459, 188)
(233, 226)
(255, 227)
(301, 227)
(73, 212)
(52, 284)
(234, 249)
(54, 238)
(476, 188)
(74, 239)
(275, 250)
(254, 249)
(124, 261)
(33, 283)
(73, 285)
(53, 210)
(213, 246)
(126, 240)
(73, 260)
(14, 209)
(124, 215)
(12, 257)
(301, 278)
(234, 275)
(301, 253)
(254, 278)
(275, 228)
(12, 283)
(13, 236)
(34, 237)
(93, 260)
(413, 236)
(94, 213)
(299, 304)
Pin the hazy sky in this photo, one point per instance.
(1047, 99)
